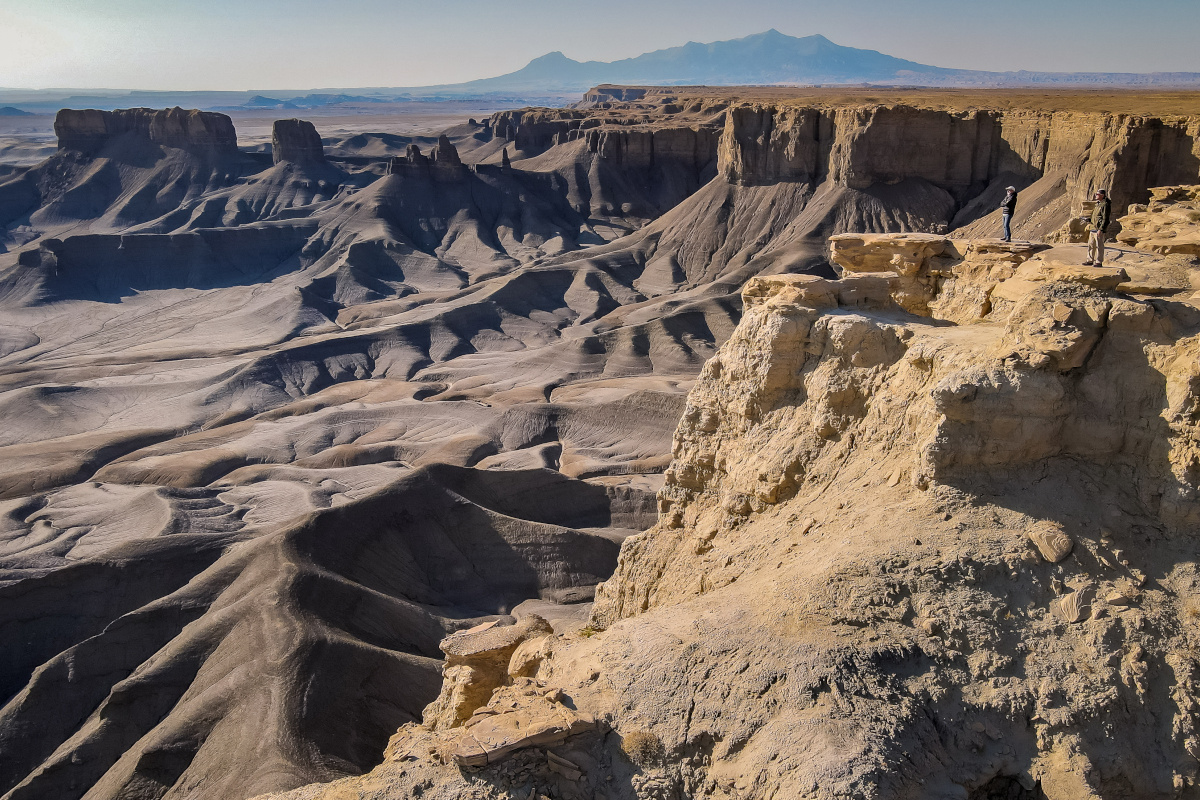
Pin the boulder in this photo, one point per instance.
(1051, 542)
(526, 714)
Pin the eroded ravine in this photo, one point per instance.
(910, 545)
(275, 429)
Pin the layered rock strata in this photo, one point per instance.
(90, 130)
(959, 152)
(1169, 224)
(966, 157)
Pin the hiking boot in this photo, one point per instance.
(1088, 263)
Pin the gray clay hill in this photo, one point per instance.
(278, 424)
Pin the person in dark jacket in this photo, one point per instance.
(1099, 229)
(1008, 207)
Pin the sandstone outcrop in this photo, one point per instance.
(524, 714)
(446, 154)
(296, 141)
(490, 705)
(200, 131)
(477, 664)
(947, 167)
(1169, 224)
(1059, 371)
(905, 549)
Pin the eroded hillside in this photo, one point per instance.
(928, 532)
(276, 425)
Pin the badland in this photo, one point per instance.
(684, 442)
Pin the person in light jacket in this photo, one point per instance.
(1008, 207)
(1099, 229)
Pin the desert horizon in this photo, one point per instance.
(788, 420)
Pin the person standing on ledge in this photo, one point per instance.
(1100, 217)
(1008, 207)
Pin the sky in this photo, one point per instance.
(301, 44)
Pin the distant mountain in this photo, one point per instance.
(9, 111)
(258, 101)
(770, 58)
(764, 58)
(775, 58)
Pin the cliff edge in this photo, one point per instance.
(928, 533)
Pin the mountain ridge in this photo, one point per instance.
(767, 58)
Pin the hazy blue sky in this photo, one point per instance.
(264, 44)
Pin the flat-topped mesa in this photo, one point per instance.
(606, 93)
(894, 165)
(296, 141)
(957, 152)
(89, 131)
(627, 137)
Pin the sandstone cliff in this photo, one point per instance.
(201, 131)
(296, 141)
(928, 533)
(963, 158)
(960, 152)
